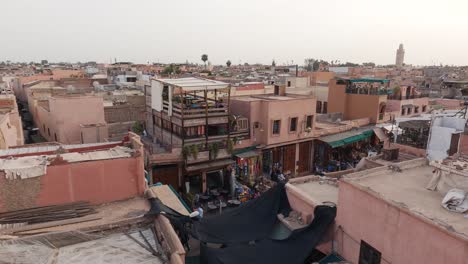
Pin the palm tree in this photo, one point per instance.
(228, 63)
(204, 58)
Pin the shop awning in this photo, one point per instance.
(354, 138)
(213, 165)
(380, 134)
(348, 137)
(247, 154)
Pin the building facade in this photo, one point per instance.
(359, 98)
(190, 132)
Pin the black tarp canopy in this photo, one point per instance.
(243, 234)
(251, 221)
(293, 250)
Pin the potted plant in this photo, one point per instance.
(230, 146)
(214, 150)
(185, 152)
(194, 151)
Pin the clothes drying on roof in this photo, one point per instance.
(456, 200)
(24, 167)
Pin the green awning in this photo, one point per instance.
(370, 80)
(348, 137)
(335, 144)
(368, 133)
(354, 139)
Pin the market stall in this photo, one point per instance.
(343, 151)
(248, 166)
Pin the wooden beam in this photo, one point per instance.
(49, 224)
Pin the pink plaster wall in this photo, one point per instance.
(354, 106)
(301, 203)
(97, 182)
(398, 235)
(65, 116)
(265, 111)
(395, 105)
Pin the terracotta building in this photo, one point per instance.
(57, 174)
(359, 98)
(389, 215)
(406, 101)
(281, 127)
(190, 133)
(72, 119)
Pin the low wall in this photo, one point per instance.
(410, 150)
(398, 235)
(169, 240)
(97, 182)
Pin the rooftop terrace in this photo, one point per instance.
(405, 187)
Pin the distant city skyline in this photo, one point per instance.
(239, 31)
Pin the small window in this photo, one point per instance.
(165, 93)
(289, 83)
(55, 136)
(293, 124)
(276, 127)
(402, 111)
(309, 120)
(416, 109)
(409, 111)
(242, 124)
(424, 108)
(368, 254)
(325, 106)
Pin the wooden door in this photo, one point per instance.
(305, 157)
(167, 174)
(289, 158)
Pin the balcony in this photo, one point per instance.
(367, 91)
(196, 109)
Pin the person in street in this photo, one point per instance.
(200, 211)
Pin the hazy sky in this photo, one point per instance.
(251, 31)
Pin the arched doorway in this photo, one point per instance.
(382, 108)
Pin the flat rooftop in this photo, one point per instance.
(114, 248)
(194, 84)
(107, 216)
(317, 189)
(408, 189)
(31, 149)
